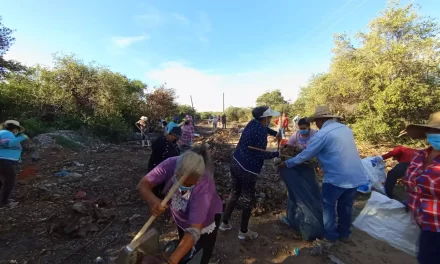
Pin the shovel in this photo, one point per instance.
(146, 241)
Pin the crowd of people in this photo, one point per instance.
(198, 211)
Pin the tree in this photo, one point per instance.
(160, 103)
(388, 79)
(273, 98)
(6, 40)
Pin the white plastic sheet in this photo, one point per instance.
(386, 219)
(374, 167)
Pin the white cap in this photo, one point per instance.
(270, 112)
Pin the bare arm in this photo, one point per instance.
(185, 245)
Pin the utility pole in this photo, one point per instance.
(194, 112)
(223, 103)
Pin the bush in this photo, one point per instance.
(112, 129)
(35, 127)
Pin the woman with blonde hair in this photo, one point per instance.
(196, 207)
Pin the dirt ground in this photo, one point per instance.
(56, 223)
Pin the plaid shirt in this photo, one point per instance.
(424, 191)
(187, 134)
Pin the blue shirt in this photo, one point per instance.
(10, 147)
(255, 135)
(337, 154)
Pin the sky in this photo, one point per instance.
(200, 48)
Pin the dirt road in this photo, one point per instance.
(51, 225)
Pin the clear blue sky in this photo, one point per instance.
(200, 48)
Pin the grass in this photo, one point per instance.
(67, 143)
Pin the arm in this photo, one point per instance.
(12, 141)
(393, 153)
(272, 132)
(185, 244)
(158, 175)
(316, 145)
(255, 141)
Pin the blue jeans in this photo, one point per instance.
(340, 200)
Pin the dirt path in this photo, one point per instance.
(46, 226)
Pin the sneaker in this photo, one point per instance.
(225, 227)
(249, 235)
(347, 240)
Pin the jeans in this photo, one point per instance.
(429, 247)
(393, 175)
(243, 184)
(337, 200)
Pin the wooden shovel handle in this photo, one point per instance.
(164, 202)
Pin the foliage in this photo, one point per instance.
(388, 80)
(81, 96)
(66, 143)
(238, 114)
(6, 40)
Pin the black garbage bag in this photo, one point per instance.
(304, 207)
(190, 258)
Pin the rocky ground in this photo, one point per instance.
(79, 202)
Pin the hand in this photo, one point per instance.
(25, 137)
(282, 165)
(156, 208)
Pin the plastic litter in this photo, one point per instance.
(304, 209)
(387, 220)
(62, 173)
(374, 168)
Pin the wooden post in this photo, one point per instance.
(194, 112)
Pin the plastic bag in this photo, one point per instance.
(304, 208)
(387, 220)
(375, 169)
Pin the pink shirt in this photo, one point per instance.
(198, 206)
(296, 140)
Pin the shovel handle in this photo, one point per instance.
(254, 148)
(163, 204)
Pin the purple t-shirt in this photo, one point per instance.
(296, 140)
(198, 206)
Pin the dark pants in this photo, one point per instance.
(224, 125)
(429, 247)
(7, 179)
(393, 175)
(206, 241)
(243, 183)
(337, 200)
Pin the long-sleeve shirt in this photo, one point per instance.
(401, 154)
(255, 135)
(10, 147)
(162, 149)
(187, 134)
(285, 121)
(337, 154)
(424, 190)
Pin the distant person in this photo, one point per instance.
(246, 165)
(301, 139)
(11, 135)
(187, 139)
(423, 185)
(224, 121)
(404, 156)
(334, 147)
(142, 125)
(173, 123)
(295, 121)
(214, 123)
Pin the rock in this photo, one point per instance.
(101, 201)
(81, 195)
(78, 164)
(80, 207)
(75, 175)
(99, 260)
(70, 229)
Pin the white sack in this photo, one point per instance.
(386, 219)
(374, 167)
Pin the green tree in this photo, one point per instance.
(272, 99)
(6, 40)
(388, 79)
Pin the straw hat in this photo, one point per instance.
(322, 112)
(15, 123)
(419, 130)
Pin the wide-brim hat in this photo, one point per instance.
(322, 112)
(416, 131)
(15, 123)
